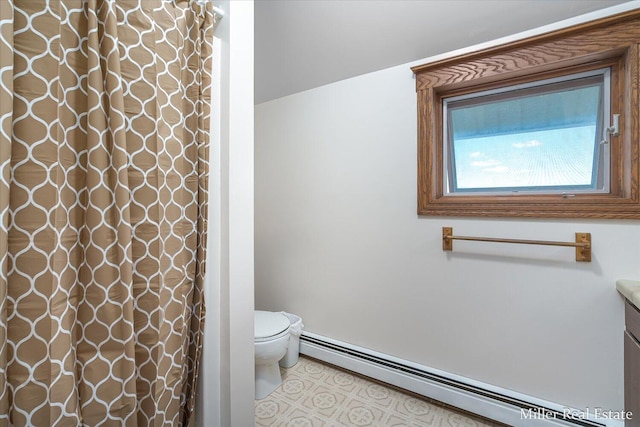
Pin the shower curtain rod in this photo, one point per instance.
(216, 9)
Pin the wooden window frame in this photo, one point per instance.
(610, 42)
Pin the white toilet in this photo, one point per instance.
(271, 338)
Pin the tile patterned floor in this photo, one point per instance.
(314, 394)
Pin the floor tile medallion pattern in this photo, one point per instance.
(314, 394)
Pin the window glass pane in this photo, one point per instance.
(536, 138)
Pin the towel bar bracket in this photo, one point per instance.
(582, 242)
(583, 253)
(447, 241)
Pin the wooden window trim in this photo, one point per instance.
(612, 41)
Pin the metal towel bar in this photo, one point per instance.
(582, 242)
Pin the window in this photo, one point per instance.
(539, 138)
(545, 127)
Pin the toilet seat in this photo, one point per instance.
(269, 325)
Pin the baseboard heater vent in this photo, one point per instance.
(370, 364)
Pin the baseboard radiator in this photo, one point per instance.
(478, 398)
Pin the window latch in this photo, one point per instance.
(613, 130)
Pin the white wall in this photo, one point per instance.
(339, 243)
(226, 389)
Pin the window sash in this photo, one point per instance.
(547, 120)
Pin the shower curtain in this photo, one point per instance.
(104, 110)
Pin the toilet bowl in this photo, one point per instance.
(271, 339)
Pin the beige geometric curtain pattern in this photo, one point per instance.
(103, 154)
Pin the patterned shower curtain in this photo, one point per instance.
(104, 110)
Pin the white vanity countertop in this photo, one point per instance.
(631, 290)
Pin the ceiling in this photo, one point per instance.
(302, 44)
